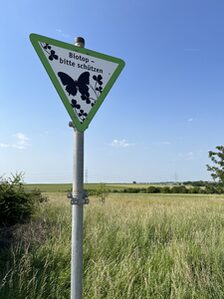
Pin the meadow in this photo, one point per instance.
(135, 246)
(88, 187)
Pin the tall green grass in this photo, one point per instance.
(135, 246)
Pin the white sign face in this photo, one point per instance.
(82, 77)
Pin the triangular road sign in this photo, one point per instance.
(81, 77)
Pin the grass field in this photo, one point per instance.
(89, 186)
(135, 246)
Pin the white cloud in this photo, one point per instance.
(190, 119)
(166, 142)
(22, 139)
(63, 34)
(21, 143)
(163, 143)
(121, 143)
(190, 156)
(4, 145)
(186, 156)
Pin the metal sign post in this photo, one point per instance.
(78, 199)
(82, 79)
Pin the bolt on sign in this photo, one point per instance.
(81, 77)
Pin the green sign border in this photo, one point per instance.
(81, 127)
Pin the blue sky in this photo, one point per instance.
(162, 116)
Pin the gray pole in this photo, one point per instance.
(77, 218)
(78, 199)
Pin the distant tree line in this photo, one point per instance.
(198, 183)
(183, 188)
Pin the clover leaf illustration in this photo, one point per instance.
(82, 114)
(49, 51)
(75, 104)
(53, 55)
(99, 83)
(98, 79)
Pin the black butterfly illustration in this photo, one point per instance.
(72, 86)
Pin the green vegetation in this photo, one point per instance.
(197, 187)
(135, 246)
(101, 192)
(16, 204)
(217, 169)
(49, 187)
